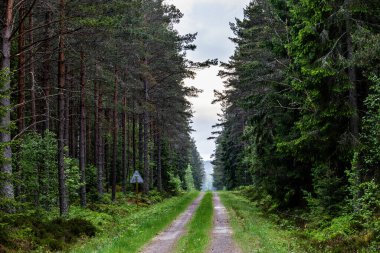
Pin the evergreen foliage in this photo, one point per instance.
(116, 103)
(37, 168)
(189, 179)
(300, 113)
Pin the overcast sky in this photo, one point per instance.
(210, 18)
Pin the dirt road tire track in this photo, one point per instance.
(222, 241)
(165, 241)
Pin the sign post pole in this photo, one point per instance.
(137, 193)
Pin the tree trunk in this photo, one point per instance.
(134, 139)
(82, 146)
(21, 71)
(124, 144)
(21, 88)
(100, 144)
(152, 153)
(96, 123)
(141, 147)
(89, 142)
(128, 146)
(72, 125)
(159, 163)
(32, 76)
(70, 81)
(46, 69)
(353, 80)
(63, 198)
(115, 130)
(97, 147)
(353, 97)
(6, 190)
(106, 154)
(146, 139)
(71, 120)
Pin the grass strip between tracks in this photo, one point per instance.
(197, 237)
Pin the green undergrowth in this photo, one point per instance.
(199, 228)
(254, 231)
(33, 230)
(319, 231)
(128, 230)
(36, 230)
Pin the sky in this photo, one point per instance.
(210, 19)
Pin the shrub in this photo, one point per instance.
(259, 196)
(29, 231)
(155, 196)
(174, 185)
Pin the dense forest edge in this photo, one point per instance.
(300, 130)
(91, 91)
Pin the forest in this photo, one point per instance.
(300, 129)
(93, 90)
(90, 92)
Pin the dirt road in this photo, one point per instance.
(166, 240)
(222, 241)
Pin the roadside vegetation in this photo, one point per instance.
(130, 229)
(258, 227)
(255, 231)
(104, 226)
(197, 237)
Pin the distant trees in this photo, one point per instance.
(116, 71)
(189, 179)
(197, 166)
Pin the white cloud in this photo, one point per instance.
(210, 18)
(186, 5)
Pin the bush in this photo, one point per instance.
(37, 165)
(259, 196)
(340, 227)
(60, 232)
(29, 231)
(155, 197)
(174, 185)
(72, 173)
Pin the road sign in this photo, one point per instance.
(136, 178)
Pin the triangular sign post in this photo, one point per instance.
(136, 179)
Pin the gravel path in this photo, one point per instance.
(222, 241)
(165, 241)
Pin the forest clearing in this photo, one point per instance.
(190, 126)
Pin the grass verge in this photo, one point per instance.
(129, 233)
(199, 228)
(254, 232)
